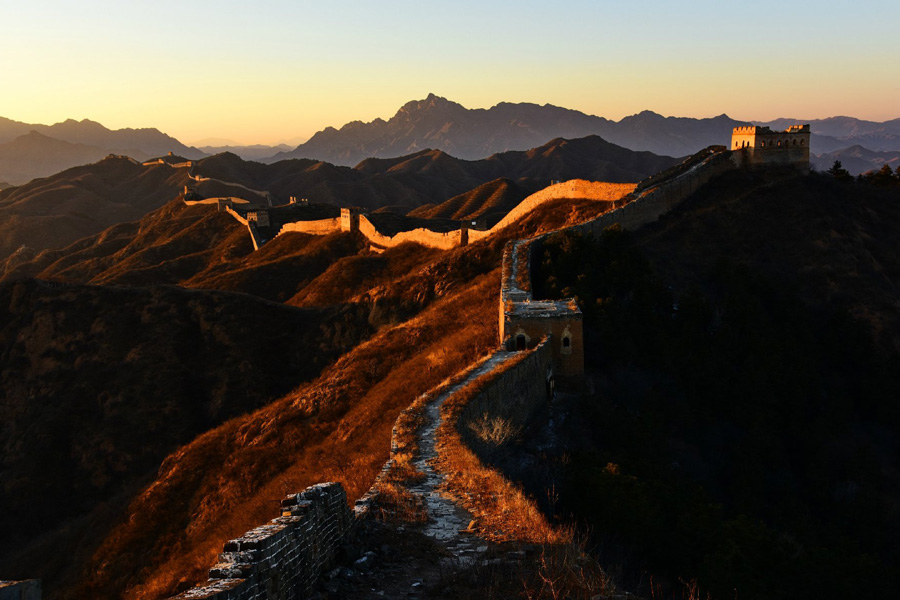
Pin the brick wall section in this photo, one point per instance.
(283, 559)
(574, 189)
(524, 320)
(514, 394)
(426, 237)
(648, 205)
(321, 227)
(30, 589)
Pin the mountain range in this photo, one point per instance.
(433, 123)
(55, 211)
(28, 151)
(439, 123)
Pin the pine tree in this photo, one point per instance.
(838, 171)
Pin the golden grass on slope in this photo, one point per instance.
(336, 428)
(503, 510)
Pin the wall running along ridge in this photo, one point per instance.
(573, 189)
(524, 320)
(283, 559)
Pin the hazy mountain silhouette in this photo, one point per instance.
(438, 123)
(251, 152)
(835, 133)
(469, 134)
(36, 155)
(856, 159)
(48, 156)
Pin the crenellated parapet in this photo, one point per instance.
(758, 146)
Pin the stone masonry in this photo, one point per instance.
(283, 559)
(760, 146)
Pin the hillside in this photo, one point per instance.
(153, 368)
(432, 176)
(81, 201)
(740, 419)
(402, 295)
(486, 204)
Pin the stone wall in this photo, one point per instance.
(237, 216)
(425, 237)
(574, 189)
(353, 220)
(514, 394)
(283, 559)
(30, 589)
(524, 320)
(217, 200)
(320, 227)
(647, 205)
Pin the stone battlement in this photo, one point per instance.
(283, 559)
(759, 145)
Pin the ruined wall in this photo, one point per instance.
(574, 189)
(513, 394)
(283, 559)
(30, 589)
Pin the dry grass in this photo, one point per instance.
(396, 504)
(502, 510)
(494, 431)
(335, 428)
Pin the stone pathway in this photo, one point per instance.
(448, 522)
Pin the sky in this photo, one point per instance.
(280, 70)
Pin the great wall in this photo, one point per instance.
(540, 345)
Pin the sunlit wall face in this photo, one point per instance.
(281, 70)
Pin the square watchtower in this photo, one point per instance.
(759, 146)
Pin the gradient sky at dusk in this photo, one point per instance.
(276, 70)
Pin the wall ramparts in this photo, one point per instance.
(320, 227)
(283, 559)
(647, 205)
(351, 220)
(240, 219)
(218, 200)
(574, 189)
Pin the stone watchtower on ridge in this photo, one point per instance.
(758, 146)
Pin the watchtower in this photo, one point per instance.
(758, 146)
(350, 218)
